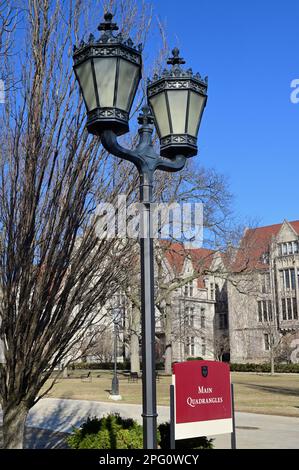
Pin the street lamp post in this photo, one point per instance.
(115, 382)
(108, 71)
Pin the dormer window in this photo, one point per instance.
(189, 289)
(289, 248)
(265, 258)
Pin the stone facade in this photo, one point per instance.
(263, 298)
(199, 312)
(242, 306)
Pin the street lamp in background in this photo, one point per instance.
(108, 71)
(115, 383)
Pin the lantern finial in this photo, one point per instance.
(176, 60)
(107, 25)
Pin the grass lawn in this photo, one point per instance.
(255, 393)
(98, 388)
(263, 393)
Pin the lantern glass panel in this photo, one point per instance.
(159, 107)
(196, 106)
(178, 107)
(127, 83)
(85, 77)
(105, 72)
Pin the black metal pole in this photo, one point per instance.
(115, 384)
(172, 418)
(147, 162)
(233, 434)
(149, 411)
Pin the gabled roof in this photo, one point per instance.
(255, 245)
(176, 255)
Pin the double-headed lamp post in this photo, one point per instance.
(108, 70)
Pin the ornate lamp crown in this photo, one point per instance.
(107, 27)
(177, 71)
(108, 70)
(177, 98)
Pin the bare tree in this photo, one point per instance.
(221, 345)
(101, 345)
(8, 22)
(55, 274)
(194, 183)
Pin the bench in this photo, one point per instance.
(133, 377)
(86, 377)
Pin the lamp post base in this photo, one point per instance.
(115, 385)
(115, 397)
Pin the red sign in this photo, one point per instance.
(202, 395)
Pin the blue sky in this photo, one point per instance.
(250, 129)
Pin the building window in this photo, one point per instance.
(260, 311)
(289, 302)
(202, 318)
(203, 346)
(265, 258)
(265, 311)
(189, 315)
(266, 283)
(289, 308)
(190, 346)
(284, 309)
(289, 248)
(287, 279)
(281, 279)
(295, 309)
(212, 291)
(293, 279)
(189, 289)
(266, 342)
(223, 323)
(270, 312)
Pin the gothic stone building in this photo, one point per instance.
(263, 298)
(199, 307)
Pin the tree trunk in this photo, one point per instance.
(272, 363)
(134, 340)
(168, 341)
(14, 418)
(65, 373)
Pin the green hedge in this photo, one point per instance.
(100, 365)
(108, 365)
(194, 443)
(234, 367)
(114, 432)
(109, 432)
(195, 358)
(266, 367)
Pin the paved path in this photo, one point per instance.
(257, 431)
(254, 431)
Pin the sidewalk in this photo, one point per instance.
(254, 431)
